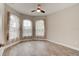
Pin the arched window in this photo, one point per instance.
(13, 27)
(27, 28)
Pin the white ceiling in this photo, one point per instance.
(50, 8)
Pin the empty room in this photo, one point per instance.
(39, 29)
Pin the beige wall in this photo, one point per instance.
(1, 22)
(63, 27)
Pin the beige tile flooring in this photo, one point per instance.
(39, 48)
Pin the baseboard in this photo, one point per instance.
(65, 45)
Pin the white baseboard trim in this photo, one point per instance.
(65, 45)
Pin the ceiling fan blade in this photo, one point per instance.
(42, 11)
(33, 10)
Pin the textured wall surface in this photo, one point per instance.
(1, 23)
(63, 27)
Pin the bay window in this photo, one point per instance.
(30, 28)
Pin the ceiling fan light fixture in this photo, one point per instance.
(38, 10)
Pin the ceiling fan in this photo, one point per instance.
(38, 9)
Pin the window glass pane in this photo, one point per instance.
(27, 28)
(13, 27)
(39, 27)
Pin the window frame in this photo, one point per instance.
(27, 37)
(41, 37)
(34, 31)
(8, 18)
